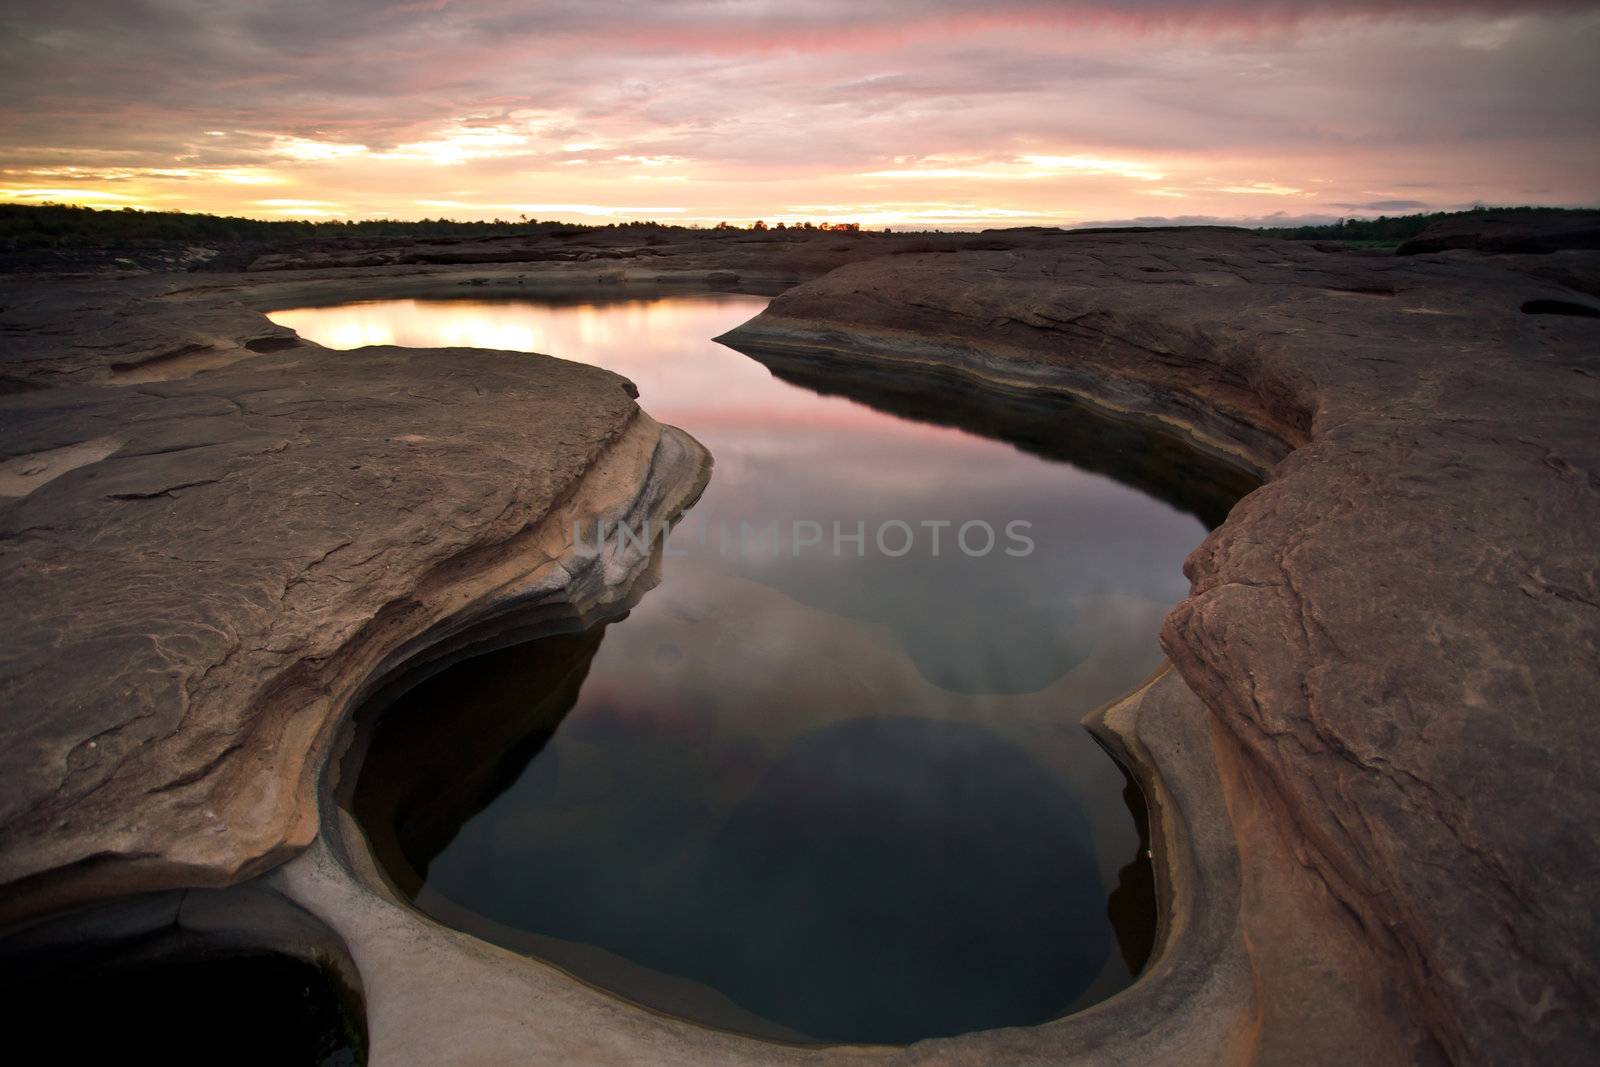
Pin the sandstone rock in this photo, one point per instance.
(1401, 630)
(1373, 816)
(203, 571)
(1509, 231)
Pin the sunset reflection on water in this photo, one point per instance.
(775, 743)
(516, 327)
(663, 345)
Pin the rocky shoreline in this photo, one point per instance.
(246, 549)
(1397, 632)
(1373, 823)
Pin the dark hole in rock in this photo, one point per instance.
(1363, 290)
(1560, 307)
(169, 356)
(128, 1006)
(271, 344)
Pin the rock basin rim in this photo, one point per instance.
(1298, 920)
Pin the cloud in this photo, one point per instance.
(1386, 205)
(1059, 110)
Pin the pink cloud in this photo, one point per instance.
(760, 105)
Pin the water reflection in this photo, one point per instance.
(1049, 427)
(651, 818)
(819, 795)
(908, 884)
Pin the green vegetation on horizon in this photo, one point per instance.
(29, 225)
(25, 226)
(1387, 231)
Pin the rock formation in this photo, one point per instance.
(1399, 631)
(1373, 816)
(205, 571)
(1532, 231)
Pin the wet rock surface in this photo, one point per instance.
(1399, 632)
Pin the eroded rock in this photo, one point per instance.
(195, 603)
(1383, 791)
(1530, 231)
(1401, 630)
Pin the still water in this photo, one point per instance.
(826, 781)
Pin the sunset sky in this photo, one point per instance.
(901, 114)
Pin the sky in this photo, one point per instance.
(891, 113)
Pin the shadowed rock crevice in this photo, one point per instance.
(185, 977)
(1560, 307)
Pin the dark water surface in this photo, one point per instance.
(830, 791)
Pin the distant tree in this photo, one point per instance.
(758, 225)
(63, 225)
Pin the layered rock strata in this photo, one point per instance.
(205, 572)
(1399, 632)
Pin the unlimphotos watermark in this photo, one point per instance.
(893, 538)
